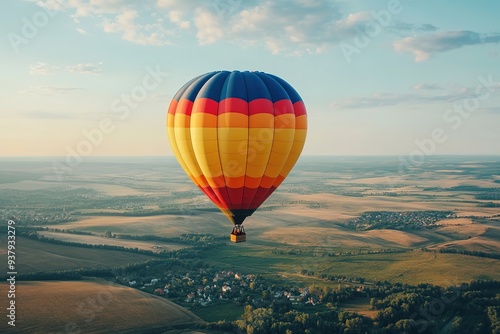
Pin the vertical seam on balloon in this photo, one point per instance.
(248, 141)
(269, 157)
(221, 200)
(174, 142)
(270, 190)
(274, 134)
(289, 89)
(209, 75)
(230, 204)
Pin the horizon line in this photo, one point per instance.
(304, 155)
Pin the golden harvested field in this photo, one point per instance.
(98, 240)
(163, 225)
(339, 237)
(91, 307)
(480, 244)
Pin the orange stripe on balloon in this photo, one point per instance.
(301, 122)
(252, 182)
(217, 181)
(278, 180)
(202, 120)
(182, 121)
(286, 121)
(235, 182)
(263, 120)
(202, 181)
(232, 120)
(266, 181)
(170, 122)
(172, 107)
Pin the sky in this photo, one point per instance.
(95, 77)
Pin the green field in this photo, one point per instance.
(412, 267)
(359, 305)
(213, 313)
(37, 256)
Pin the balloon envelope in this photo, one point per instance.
(237, 135)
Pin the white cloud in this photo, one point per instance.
(281, 26)
(44, 115)
(125, 23)
(399, 27)
(51, 4)
(42, 68)
(81, 31)
(391, 99)
(176, 17)
(49, 90)
(425, 46)
(294, 26)
(85, 68)
(425, 86)
(209, 27)
(116, 16)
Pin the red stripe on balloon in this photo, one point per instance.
(300, 108)
(211, 195)
(206, 106)
(260, 196)
(184, 106)
(239, 198)
(283, 107)
(259, 106)
(223, 197)
(233, 104)
(236, 196)
(248, 196)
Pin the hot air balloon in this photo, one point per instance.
(237, 135)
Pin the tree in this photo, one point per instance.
(355, 325)
(404, 325)
(108, 234)
(494, 316)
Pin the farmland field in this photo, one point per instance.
(37, 256)
(412, 267)
(90, 307)
(359, 305)
(100, 240)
